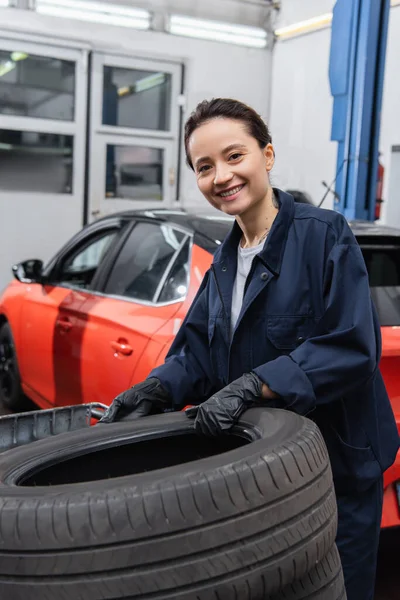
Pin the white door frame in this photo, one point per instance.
(110, 205)
(75, 128)
(101, 135)
(35, 224)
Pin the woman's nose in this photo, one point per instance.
(222, 175)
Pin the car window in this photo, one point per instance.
(177, 281)
(80, 266)
(212, 231)
(143, 261)
(383, 265)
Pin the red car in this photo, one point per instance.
(106, 308)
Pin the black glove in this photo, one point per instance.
(220, 412)
(139, 401)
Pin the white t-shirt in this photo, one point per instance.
(244, 261)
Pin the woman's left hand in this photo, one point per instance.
(220, 412)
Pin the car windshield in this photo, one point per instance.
(382, 257)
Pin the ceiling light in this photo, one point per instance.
(146, 83)
(6, 67)
(302, 27)
(97, 12)
(17, 56)
(254, 37)
(125, 90)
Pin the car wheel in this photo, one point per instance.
(11, 394)
(148, 509)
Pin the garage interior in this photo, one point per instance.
(93, 99)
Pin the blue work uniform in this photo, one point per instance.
(309, 330)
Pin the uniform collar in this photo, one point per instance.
(274, 247)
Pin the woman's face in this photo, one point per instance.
(230, 167)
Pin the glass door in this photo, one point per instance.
(134, 133)
(43, 92)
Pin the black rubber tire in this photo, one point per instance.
(12, 397)
(238, 524)
(324, 582)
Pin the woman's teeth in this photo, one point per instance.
(231, 192)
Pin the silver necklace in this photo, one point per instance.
(264, 235)
(259, 240)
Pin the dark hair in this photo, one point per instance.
(229, 109)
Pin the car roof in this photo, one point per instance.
(207, 224)
(211, 226)
(175, 216)
(368, 228)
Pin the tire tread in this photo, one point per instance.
(247, 528)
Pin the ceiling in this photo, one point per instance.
(245, 12)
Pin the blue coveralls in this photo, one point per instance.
(309, 330)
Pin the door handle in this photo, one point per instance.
(64, 324)
(122, 347)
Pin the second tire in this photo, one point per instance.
(147, 509)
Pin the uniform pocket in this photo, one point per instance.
(354, 467)
(288, 332)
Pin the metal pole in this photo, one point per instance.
(356, 71)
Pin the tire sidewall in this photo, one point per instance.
(265, 427)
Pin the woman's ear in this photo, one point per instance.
(269, 154)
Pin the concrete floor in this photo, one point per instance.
(388, 575)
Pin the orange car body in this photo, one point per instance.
(74, 346)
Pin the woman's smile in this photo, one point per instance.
(231, 193)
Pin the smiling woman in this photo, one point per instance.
(234, 175)
(271, 326)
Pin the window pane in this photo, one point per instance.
(36, 86)
(139, 99)
(134, 172)
(143, 261)
(176, 285)
(36, 162)
(81, 266)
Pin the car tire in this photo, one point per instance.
(148, 509)
(11, 394)
(324, 582)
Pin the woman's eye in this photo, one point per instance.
(204, 168)
(235, 156)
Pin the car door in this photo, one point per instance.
(120, 328)
(52, 325)
(382, 258)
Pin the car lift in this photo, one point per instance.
(356, 73)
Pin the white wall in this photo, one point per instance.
(390, 123)
(301, 112)
(301, 107)
(212, 69)
(293, 11)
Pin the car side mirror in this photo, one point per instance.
(29, 271)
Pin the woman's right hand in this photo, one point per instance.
(139, 401)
